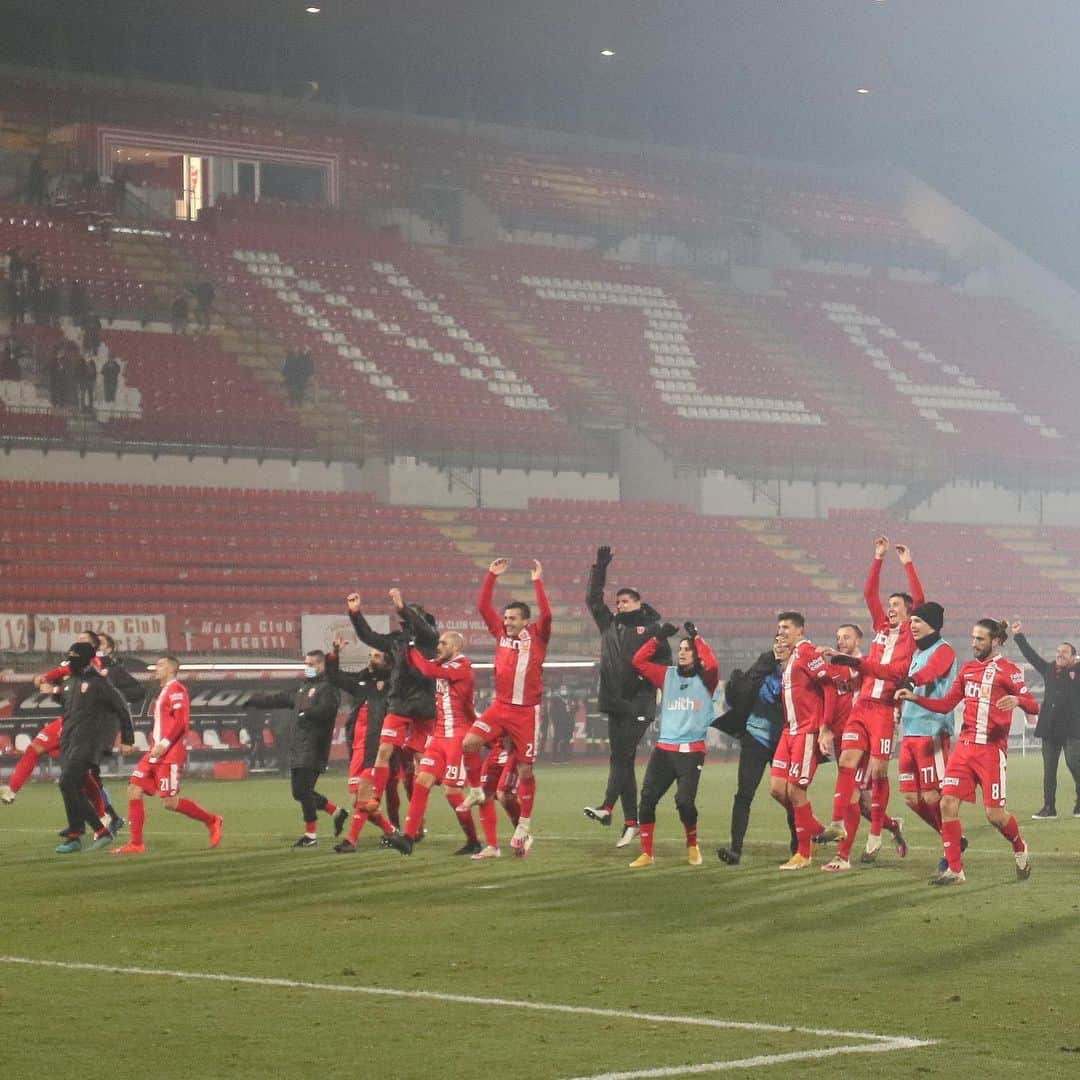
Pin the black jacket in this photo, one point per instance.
(741, 694)
(622, 689)
(94, 712)
(365, 688)
(1059, 715)
(315, 707)
(410, 693)
(114, 668)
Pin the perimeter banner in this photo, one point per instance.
(133, 633)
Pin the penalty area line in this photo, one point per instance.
(869, 1042)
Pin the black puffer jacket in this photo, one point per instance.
(410, 693)
(315, 707)
(94, 712)
(622, 689)
(1059, 717)
(368, 689)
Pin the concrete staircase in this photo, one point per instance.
(765, 531)
(1039, 553)
(339, 434)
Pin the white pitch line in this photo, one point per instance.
(892, 1042)
(762, 1059)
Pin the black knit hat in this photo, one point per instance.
(932, 614)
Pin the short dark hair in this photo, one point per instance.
(1070, 646)
(95, 638)
(795, 617)
(909, 600)
(518, 605)
(317, 653)
(108, 639)
(172, 659)
(852, 626)
(632, 593)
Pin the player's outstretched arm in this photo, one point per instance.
(543, 624)
(872, 588)
(1030, 655)
(710, 666)
(486, 603)
(915, 588)
(371, 638)
(594, 595)
(642, 661)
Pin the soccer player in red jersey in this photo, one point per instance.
(520, 648)
(160, 769)
(868, 734)
(990, 687)
(441, 759)
(808, 695)
(499, 780)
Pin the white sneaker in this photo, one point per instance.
(487, 852)
(629, 834)
(7, 796)
(521, 842)
(1023, 864)
(475, 797)
(836, 866)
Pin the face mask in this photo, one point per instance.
(78, 664)
(310, 672)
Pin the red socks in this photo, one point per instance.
(879, 801)
(489, 822)
(136, 819)
(330, 808)
(380, 778)
(526, 794)
(96, 796)
(1011, 831)
(23, 770)
(473, 768)
(691, 835)
(805, 827)
(647, 838)
(464, 814)
(851, 824)
(930, 813)
(512, 807)
(193, 810)
(417, 807)
(379, 822)
(845, 789)
(951, 832)
(359, 819)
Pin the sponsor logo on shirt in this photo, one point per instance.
(686, 704)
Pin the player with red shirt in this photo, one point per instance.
(868, 735)
(499, 780)
(441, 759)
(808, 695)
(991, 687)
(520, 648)
(159, 770)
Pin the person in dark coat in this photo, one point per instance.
(628, 700)
(94, 712)
(315, 707)
(755, 716)
(110, 379)
(1059, 718)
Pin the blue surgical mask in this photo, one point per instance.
(310, 672)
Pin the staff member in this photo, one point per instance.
(628, 699)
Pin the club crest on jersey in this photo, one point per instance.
(85, 686)
(640, 630)
(311, 692)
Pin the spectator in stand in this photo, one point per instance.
(179, 315)
(1059, 718)
(91, 334)
(54, 373)
(204, 299)
(110, 379)
(87, 384)
(77, 304)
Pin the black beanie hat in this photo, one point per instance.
(79, 656)
(932, 614)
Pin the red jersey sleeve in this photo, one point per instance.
(486, 606)
(914, 584)
(175, 713)
(949, 702)
(542, 626)
(58, 673)
(710, 666)
(1017, 686)
(655, 673)
(871, 594)
(425, 666)
(893, 672)
(939, 663)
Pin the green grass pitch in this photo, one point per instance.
(986, 970)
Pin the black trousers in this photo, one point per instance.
(303, 791)
(1051, 755)
(624, 734)
(80, 811)
(667, 767)
(754, 759)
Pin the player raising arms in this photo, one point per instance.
(159, 771)
(868, 733)
(686, 713)
(520, 648)
(809, 697)
(441, 759)
(990, 687)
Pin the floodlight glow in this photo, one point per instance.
(862, 90)
(607, 52)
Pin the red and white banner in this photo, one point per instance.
(133, 633)
(14, 633)
(251, 633)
